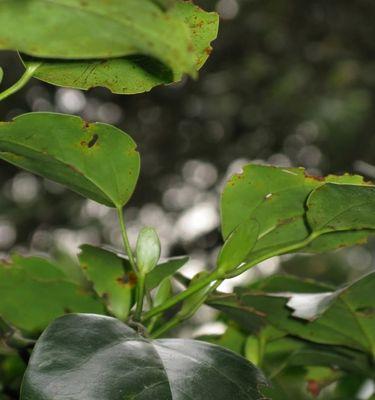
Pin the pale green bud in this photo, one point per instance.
(148, 250)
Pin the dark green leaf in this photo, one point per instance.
(112, 278)
(97, 29)
(345, 317)
(33, 292)
(88, 357)
(136, 73)
(164, 270)
(96, 160)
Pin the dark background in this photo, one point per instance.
(289, 83)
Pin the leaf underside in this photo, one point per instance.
(140, 71)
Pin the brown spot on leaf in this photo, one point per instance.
(208, 50)
(366, 311)
(93, 141)
(127, 280)
(313, 388)
(315, 178)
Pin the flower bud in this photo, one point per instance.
(148, 250)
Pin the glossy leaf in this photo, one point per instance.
(112, 278)
(97, 29)
(89, 357)
(135, 73)
(276, 199)
(164, 270)
(96, 160)
(33, 292)
(345, 317)
(238, 245)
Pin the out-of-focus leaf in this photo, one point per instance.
(97, 29)
(112, 278)
(96, 357)
(1, 74)
(33, 292)
(164, 270)
(232, 339)
(164, 292)
(96, 160)
(345, 317)
(138, 72)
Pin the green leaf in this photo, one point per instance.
(135, 73)
(126, 75)
(147, 250)
(33, 292)
(97, 29)
(276, 199)
(164, 292)
(192, 303)
(112, 278)
(232, 339)
(165, 4)
(345, 317)
(164, 270)
(1, 74)
(341, 207)
(238, 245)
(95, 160)
(95, 357)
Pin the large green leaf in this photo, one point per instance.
(135, 73)
(95, 29)
(276, 199)
(89, 357)
(345, 317)
(112, 278)
(96, 160)
(33, 292)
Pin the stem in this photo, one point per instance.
(126, 242)
(173, 322)
(177, 319)
(183, 295)
(140, 297)
(217, 275)
(28, 74)
(277, 252)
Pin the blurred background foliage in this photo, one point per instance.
(289, 83)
